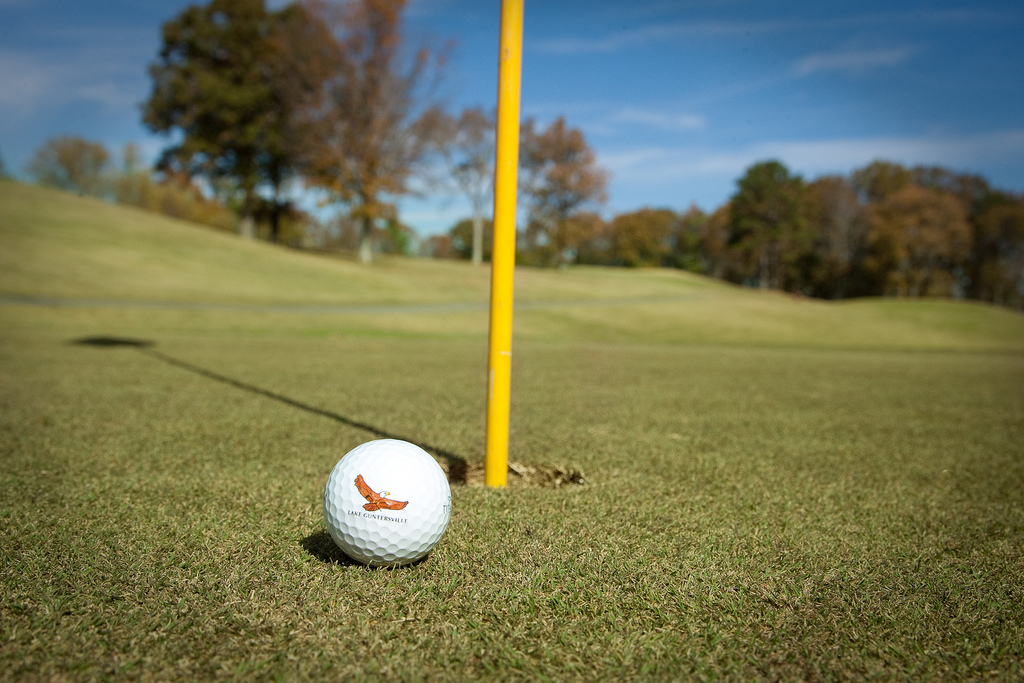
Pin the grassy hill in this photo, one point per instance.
(57, 245)
(776, 488)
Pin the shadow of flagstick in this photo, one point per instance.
(457, 465)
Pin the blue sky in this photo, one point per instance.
(677, 98)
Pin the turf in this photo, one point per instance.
(777, 488)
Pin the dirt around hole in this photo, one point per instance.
(519, 475)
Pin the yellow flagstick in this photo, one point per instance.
(503, 258)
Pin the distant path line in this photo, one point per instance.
(344, 309)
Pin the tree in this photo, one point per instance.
(388, 237)
(715, 243)
(644, 237)
(767, 228)
(560, 177)
(468, 148)
(997, 253)
(970, 189)
(3, 169)
(918, 238)
(223, 82)
(687, 242)
(373, 130)
(71, 163)
(594, 238)
(440, 246)
(880, 179)
(832, 208)
(132, 183)
(466, 238)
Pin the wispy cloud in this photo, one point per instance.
(26, 81)
(645, 34)
(657, 119)
(608, 118)
(816, 157)
(572, 45)
(851, 60)
(33, 81)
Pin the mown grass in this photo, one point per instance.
(769, 497)
(60, 245)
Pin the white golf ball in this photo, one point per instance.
(387, 503)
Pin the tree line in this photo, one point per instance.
(332, 96)
(883, 230)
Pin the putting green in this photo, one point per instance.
(776, 488)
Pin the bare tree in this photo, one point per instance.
(372, 131)
(468, 150)
(832, 206)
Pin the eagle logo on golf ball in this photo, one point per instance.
(377, 500)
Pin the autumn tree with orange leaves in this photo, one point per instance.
(918, 237)
(560, 178)
(366, 138)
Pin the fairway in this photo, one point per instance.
(775, 488)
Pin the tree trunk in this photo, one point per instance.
(478, 238)
(276, 209)
(775, 266)
(365, 245)
(763, 277)
(275, 224)
(247, 227)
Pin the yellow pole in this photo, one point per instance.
(503, 258)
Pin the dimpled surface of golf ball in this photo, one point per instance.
(387, 503)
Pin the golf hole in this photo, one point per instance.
(519, 475)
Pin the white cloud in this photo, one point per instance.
(111, 95)
(608, 118)
(816, 157)
(572, 45)
(32, 82)
(26, 81)
(656, 119)
(645, 34)
(851, 60)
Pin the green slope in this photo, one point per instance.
(58, 245)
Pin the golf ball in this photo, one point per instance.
(387, 503)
